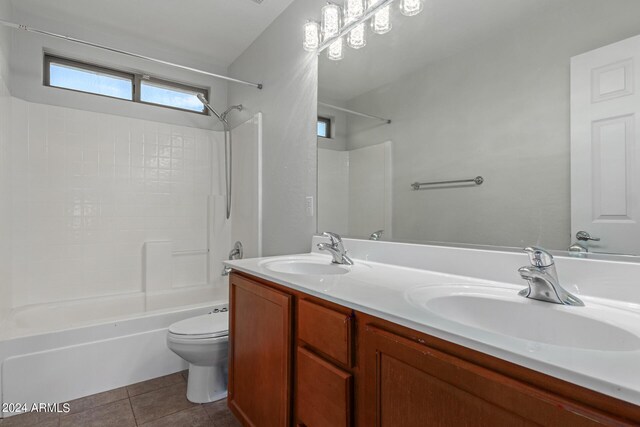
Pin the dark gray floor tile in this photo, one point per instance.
(159, 403)
(95, 400)
(155, 384)
(116, 414)
(220, 414)
(40, 419)
(193, 417)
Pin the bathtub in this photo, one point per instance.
(53, 353)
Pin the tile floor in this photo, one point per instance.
(160, 402)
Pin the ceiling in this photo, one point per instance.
(444, 28)
(218, 30)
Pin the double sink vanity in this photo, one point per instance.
(431, 335)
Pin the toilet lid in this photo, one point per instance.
(207, 325)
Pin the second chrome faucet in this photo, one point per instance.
(543, 279)
(335, 248)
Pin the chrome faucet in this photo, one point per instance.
(336, 248)
(236, 253)
(376, 235)
(543, 279)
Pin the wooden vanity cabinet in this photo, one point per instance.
(324, 391)
(300, 360)
(260, 342)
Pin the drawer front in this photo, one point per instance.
(326, 331)
(323, 392)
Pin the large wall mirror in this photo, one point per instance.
(496, 122)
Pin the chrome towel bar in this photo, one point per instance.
(478, 180)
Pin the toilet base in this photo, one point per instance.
(206, 383)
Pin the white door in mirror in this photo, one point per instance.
(605, 155)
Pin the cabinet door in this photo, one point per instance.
(407, 383)
(260, 353)
(323, 392)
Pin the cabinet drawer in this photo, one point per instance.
(323, 392)
(327, 331)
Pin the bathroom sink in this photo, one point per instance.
(305, 267)
(500, 310)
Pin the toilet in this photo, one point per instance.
(203, 341)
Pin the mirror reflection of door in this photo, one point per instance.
(605, 161)
(499, 89)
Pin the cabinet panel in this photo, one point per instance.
(410, 384)
(327, 331)
(323, 392)
(260, 353)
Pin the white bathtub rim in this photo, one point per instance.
(141, 324)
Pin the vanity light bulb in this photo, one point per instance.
(331, 21)
(356, 38)
(411, 7)
(311, 36)
(381, 21)
(353, 10)
(334, 51)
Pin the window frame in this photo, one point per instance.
(135, 78)
(329, 125)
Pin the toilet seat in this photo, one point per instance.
(212, 325)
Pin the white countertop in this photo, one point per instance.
(381, 289)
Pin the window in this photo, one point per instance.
(324, 127)
(82, 77)
(169, 94)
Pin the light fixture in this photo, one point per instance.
(335, 51)
(311, 36)
(349, 22)
(357, 37)
(330, 27)
(353, 10)
(331, 21)
(381, 21)
(411, 7)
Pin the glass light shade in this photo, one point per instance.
(381, 21)
(331, 21)
(411, 7)
(311, 36)
(334, 51)
(353, 10)
(356, 38)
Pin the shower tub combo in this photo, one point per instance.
(56, 352)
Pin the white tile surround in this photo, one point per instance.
(89, 189)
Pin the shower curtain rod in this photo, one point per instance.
(124, 52)
(345, 110)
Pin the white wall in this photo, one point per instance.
(288, 103)
(5, 165)
(333, 191)
(90, 188)
(27, 71)
(500, 110)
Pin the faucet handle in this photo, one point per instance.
(334, 237)
(539, 257)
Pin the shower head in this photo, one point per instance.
(208, 106)
(238, 107)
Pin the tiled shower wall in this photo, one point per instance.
(89, 189)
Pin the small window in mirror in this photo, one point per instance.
(324, 127)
